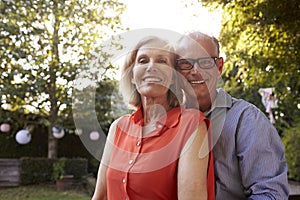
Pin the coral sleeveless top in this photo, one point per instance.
(145, 167)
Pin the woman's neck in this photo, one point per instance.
(154, 109)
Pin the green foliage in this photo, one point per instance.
(39, 170)
(63, 166)
(291, 141)
(44, 45)
(41, 192)
(58, 171)
(35, 170)
(261, 41)
(77, 167)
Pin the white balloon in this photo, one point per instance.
(55, 130)
(59, 134)
(23, 137)
(94, 135)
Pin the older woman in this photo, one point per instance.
(157, 151)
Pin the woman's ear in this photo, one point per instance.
(132, 81)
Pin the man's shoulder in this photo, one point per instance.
(247, 110)
(226, 100)
(238, 106)
(243, 107)
(243, 104)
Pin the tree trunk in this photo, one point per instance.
(52, 141)
(52, 144)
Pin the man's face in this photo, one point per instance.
(203, 75)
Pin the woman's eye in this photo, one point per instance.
(143, 60)
(162, 60)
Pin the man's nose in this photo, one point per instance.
(196, 68)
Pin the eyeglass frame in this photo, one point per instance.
(193, 61)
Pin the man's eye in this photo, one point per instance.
(205, 62)
(184, 62)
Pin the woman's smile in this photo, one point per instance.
(152, 79)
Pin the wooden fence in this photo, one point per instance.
(9, 172)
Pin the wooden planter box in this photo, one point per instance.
(65, 183)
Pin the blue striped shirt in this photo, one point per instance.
(248, 152)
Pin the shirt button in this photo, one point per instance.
(126, 198)
(130, 162)
(124, 180)
(138, 143)
(159, 126)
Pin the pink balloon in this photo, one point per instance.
(5, 127)
(94, 135)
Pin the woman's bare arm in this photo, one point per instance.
(101, 187)
(100, 190)
(192, 167)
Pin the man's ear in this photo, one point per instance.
(220, 65)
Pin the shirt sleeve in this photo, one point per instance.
(261, 157)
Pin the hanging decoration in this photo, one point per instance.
(5, 127)
(269, 101)
(94, 135)
(58, 132)
(23, 136)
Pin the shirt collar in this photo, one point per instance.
(169, 120)
(222, 100)
(137, 116)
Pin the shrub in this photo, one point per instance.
(291, 141)
(39, 170)
(77, 167)
(59, 167)
(35, 170)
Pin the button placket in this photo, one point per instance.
(130, 162)
(124, 181)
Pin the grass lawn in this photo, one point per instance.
(41, 192)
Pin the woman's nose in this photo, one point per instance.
(151, 66)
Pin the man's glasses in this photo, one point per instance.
(204, 63)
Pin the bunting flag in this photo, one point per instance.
(269, 100)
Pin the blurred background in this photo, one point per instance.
(45, 44)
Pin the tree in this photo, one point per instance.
(44, 44)
(261, 41)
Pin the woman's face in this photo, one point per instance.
(152, 71)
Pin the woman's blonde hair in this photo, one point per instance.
(128, 89)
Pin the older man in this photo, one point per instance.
(249, 155)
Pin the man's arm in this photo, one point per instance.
(261, 157)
